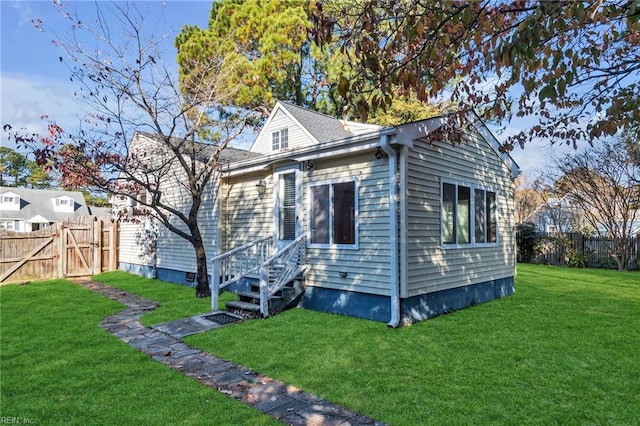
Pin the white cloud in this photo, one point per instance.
(25, 99)
(25, 12)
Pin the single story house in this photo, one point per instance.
(393, 224)
(26, 209)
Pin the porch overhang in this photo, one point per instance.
(39, 219)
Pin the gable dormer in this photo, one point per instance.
(280, 133)
(9, 201)
(63, 204)
(290, 126)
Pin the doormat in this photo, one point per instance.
(222, 318)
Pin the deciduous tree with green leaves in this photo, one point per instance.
(13, 165)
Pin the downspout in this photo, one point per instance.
(393, 227)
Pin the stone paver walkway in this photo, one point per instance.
(279, 400)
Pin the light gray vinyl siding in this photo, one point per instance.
(430, 266)
(175, 252)
(171, 250)
(135, 246)
(367, 268)
(245, 216)
(297, 137)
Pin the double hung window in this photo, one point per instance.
(280, 139)
(9, 202)
(10, 225)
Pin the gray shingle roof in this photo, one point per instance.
(34, 202)
(228, 154)
(323, 127)
(99, 211)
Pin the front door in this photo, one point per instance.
(288, 205)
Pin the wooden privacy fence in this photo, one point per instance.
(86, 246)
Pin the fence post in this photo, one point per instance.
(62, 250)
(113, 246)
(97, 246)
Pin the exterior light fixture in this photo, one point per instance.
(261, 186)
(379, 154)
(309, 165)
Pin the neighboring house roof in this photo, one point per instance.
(38, 205)
(205, 151)
(99, 211)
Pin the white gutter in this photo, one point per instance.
(393, 228)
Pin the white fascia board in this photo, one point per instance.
(325, 150)
(410, 132)
(484, 131)
(418, 130)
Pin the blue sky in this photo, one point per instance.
(34, 83)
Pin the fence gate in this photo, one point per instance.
(83, 247)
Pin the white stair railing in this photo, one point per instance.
(232, 266)
(280, 269)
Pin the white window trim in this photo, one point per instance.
(356, 191)
(10, 225)
(276, 199)
(58, 206)
(10, 201)
(279, 133)
(472, 219)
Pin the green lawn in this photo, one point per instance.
(57, 366)
(176, 301)
(565, 349)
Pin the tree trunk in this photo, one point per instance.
(622, 253)
(202, 276)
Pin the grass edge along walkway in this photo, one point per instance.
(276, 399)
